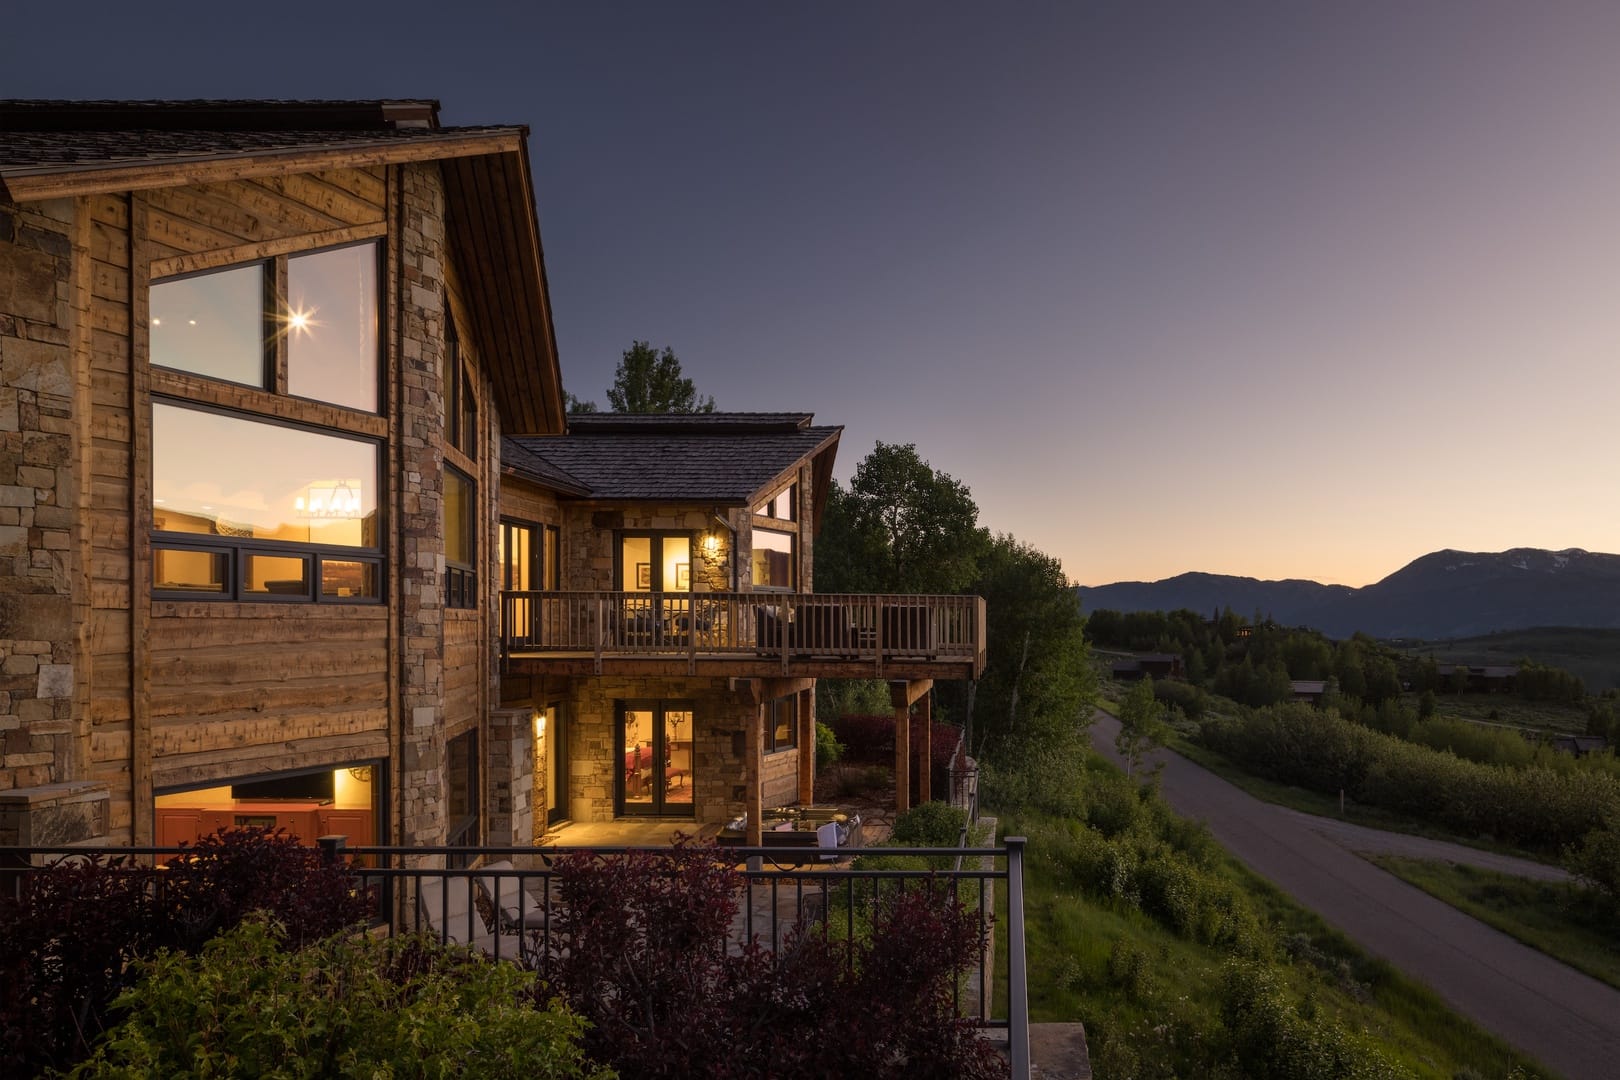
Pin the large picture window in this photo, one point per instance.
(247, 509)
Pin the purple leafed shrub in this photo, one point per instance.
(647, 964)
(73, 928)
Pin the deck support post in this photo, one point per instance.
(807, 746)
(756, 776)
(902, 759)
(925, 749)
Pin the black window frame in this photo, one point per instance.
(461, 579)
(238, 548)
(460, 400)
(380, 244)
(267, 319)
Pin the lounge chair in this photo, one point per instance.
(449, 913)
(518, 910)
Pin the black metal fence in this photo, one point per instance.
(507, 905)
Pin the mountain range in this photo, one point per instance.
(1445, 594)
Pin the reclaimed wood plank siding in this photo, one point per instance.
(185, 693)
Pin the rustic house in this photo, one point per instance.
(293, 529)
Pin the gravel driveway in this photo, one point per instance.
(1568, 1021)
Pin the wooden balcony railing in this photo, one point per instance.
(857, 628)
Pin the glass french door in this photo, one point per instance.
(654, 751)
(520, 566)
(655, 573)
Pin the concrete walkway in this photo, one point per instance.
(1568, 1021)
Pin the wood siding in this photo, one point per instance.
(183, 693)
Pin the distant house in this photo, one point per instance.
(1154, 665)
(1579, 745)
(1310, 690)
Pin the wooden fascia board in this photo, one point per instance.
(57, 181)
(557, 416)
(497, 216)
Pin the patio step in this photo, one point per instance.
(1056, 1051)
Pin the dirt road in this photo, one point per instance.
(1568, 1021)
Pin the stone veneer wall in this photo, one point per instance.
(43, 594)
(420, 786)
(719, 764)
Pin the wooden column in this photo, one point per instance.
(756, 776)
(807, 746)
(902, 695)
(925, 750)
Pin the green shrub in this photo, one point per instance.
(933, 824)
(1545, 805)
(828, 748)
(345, 1006)
(1596, 862)
(1271, 1040)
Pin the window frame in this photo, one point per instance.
(461, 579)
(239, 548)
(791, 703)
(465, 831)
(280, 265)
(793, 560)
(268, 362)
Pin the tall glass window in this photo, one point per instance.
(331, 326)
(460, 539)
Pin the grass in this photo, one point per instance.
(1591, 654)
(1551, 917)
(1148, 997)
(1534, 716)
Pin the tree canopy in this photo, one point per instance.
(647, 381)
(902, 527)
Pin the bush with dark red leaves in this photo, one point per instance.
(72, 929)
(643, 955)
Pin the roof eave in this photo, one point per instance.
(33, 183)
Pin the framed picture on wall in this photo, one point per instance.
(683, 575)
(643, 575)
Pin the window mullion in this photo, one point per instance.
(275, 324)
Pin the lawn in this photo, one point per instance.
(1152, 1000)
(1555, 918)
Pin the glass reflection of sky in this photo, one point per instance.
(332, 326)
(212, 324)
(246, 479)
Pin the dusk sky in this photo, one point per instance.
(1286, 289)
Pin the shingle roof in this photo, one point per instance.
(517, 459)
(31, 151)
(709, 457)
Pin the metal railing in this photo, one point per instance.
(842, 626)
(510, 909)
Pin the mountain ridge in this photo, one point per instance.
(1443, 594)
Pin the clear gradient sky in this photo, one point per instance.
(1283, 289)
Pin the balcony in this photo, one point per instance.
(752, 634)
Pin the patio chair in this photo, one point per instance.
(518, 910)
(449, 913)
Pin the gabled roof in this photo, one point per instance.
(726, 459)
(53, 149)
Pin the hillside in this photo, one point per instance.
(1446, 594)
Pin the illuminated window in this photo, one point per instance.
(782, 723)
(460, 539)
(245, 509)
